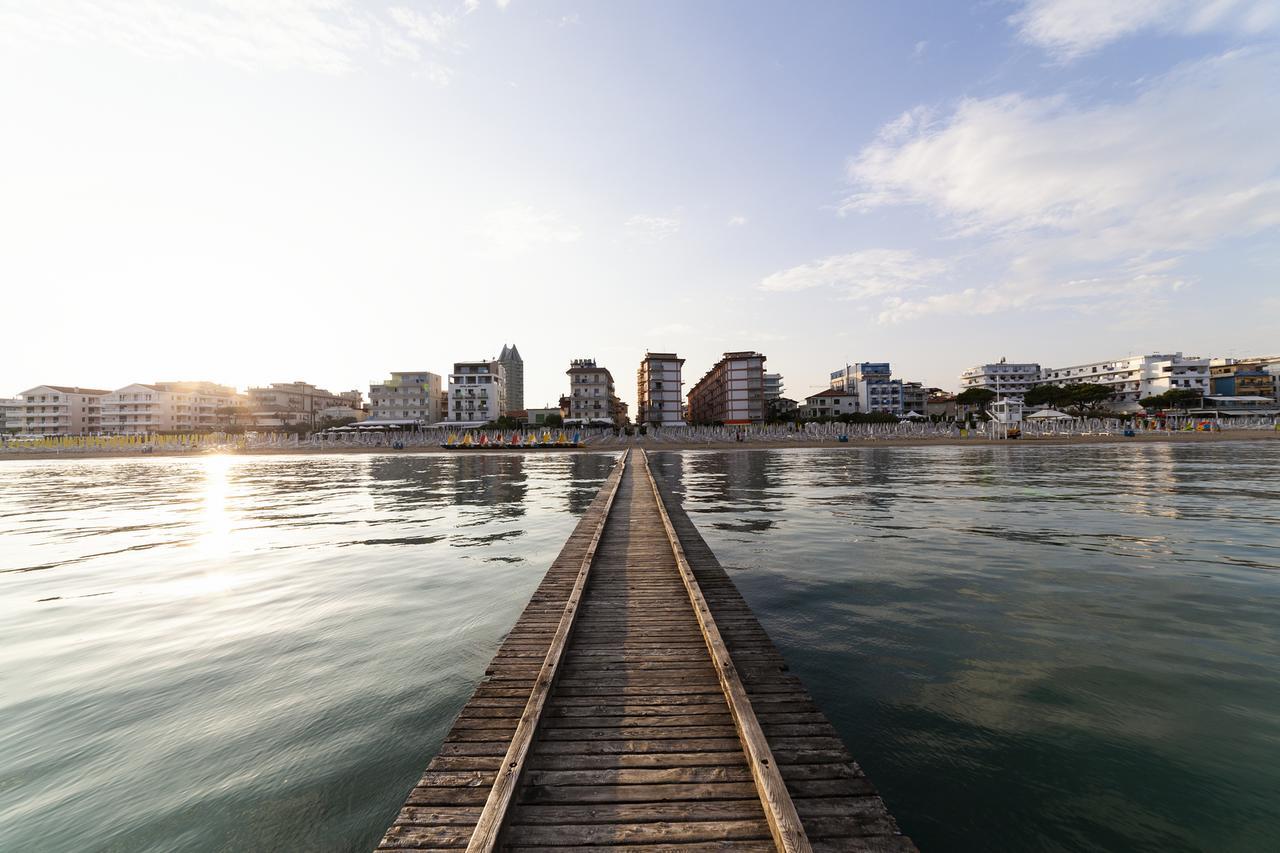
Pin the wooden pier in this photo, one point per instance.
(638, 703)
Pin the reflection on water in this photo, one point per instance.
(1028, 648)
(231, 653)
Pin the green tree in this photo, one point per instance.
(1174, 398)
(980, 397)
(1087, 397)
(553, 420)
(1047, 395)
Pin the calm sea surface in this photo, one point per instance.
(1028, 648)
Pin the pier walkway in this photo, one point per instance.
(637, 703)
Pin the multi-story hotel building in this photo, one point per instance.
(591, 395)
(513, 377)
(300, 397)
(1007, 381)
(731, 392)
(11, 414)
(915, 398)
(1245, 377)
(409, 398)
(658, 390)
(1137, 376)
(61, 410)
(140, 409)
(772, 386)
(872, 384)
(477, 393)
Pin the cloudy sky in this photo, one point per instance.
(328, 190)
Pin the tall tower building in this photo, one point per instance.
(513, 366)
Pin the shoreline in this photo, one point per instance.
(677, 446)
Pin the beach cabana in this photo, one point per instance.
(913, 416)
(1049, 415)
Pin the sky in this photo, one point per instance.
(329, 190)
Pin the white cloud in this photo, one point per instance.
(520, 228)
(1188, 162)
(430, 27)
(737, 221)
(1072, 28)
(653, 227)
(919, 49)
(859, 275)
(1092, 206)
(323, 36)
(570, 20)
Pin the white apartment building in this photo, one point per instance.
(772, 386)
(1007, 381)
(11, 410)
(591, 393)
(409, 398)
(872, 384)
(658, 390)
(1137, 376)
(829, 404)
(477, 393)
(141, 409)
(61, 410)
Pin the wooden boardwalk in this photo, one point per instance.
(638, 703)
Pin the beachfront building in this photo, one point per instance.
(1137, 376)
(591, 398)
(772, 386)
(1007, 381)
(1246, 377)
(477, 393)
(299, 402)
(829, 404)
(731, 392)
(940, 404)
(513, 375)
(915, 398)
(169, 407)
(11, 409)
(658, 390)
(61, 410)
(409, 399)
(872, 384)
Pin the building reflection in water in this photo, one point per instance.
(587, 473)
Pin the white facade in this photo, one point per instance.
(11, 414)
(658, 390)
(772, 386)
(1007, 381)
(829, 404)
(61, 410)
(141, 409)
(477, 393)
(1134, 377)
(591, 392)
(409, 396)
(872, 384)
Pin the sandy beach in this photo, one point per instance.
(649, 444)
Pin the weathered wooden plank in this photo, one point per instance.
(489, 826)
(784, 823)
(637, 742)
